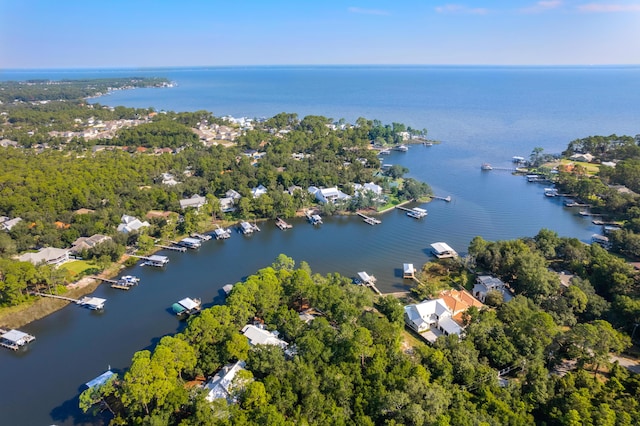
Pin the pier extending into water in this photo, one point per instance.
(94, 303)
(181, 249)
(370, 220)
(447, 198)
(282, 224)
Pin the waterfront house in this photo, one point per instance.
(458, 301)
(260, 336)
(258, 191)
(8, 224)
(47, 255)
(586, 157)
(429, 314)
(131, 224)
(328, 195)
(487, 283)
(87, 243)
(222, 384)
(195, 201)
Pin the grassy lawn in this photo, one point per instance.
(76, 267)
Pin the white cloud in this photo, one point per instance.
(368, 11)
(606, 8)
(456, 8)
(542, 6)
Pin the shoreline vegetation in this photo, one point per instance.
(46, 117)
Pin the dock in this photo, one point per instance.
(93, 303)
(174, 248)
(370, 220)
(191, 243)
(367, 280)
(447, 198)
(153, 260)
(201, 237)
(416, 212)
(248, 228)
(282, 224)
(221, 233)
(443, 250)
(14, 339)
(313, 219)
(187, 307)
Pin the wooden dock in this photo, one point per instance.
(174, 248)
(282, 224)
(370, 220)
(416, 212)
(201, 237)
(55, 296)
(447, 198)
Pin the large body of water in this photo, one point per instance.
(480, 114)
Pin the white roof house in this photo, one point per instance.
(260, 336)
(486, 283)
(48, 255)
(221, 385)
(131, 224)
(10, 223)
(376, 189)
(422, 316)
(582, 157)
(258, 191)
(330, 195)
(196, 201)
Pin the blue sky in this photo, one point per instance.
(146, 33)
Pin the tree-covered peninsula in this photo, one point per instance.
(71, 170)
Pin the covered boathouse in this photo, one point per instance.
(15, 339)
(443, 250)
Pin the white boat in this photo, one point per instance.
(486, 166)
(401, 148)
(550, 192)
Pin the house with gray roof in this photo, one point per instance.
(46, 255)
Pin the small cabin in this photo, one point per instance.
(408, 271)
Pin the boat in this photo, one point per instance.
(385, 152)
(186, 307)
(129, 279)
(486, 166)
(518, 160)
(221, 233)
(550, 192)
(247, 228)
(401, 148)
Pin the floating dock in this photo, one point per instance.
(370, 220)
(282, 224)
(191, 243)
(14, 339)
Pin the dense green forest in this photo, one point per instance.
(47, 178)
(355, 365)
(47, 90)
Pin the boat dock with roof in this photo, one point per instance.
(191, 243)
(221, 233)
(153, 260)
(443, 250)
(416, 212)
(186, 307)
(314, 219)
(248, 228)
(408, 271)
(93, 303)
(14, 339)
(368, 281)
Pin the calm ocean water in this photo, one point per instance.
(480, 114)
